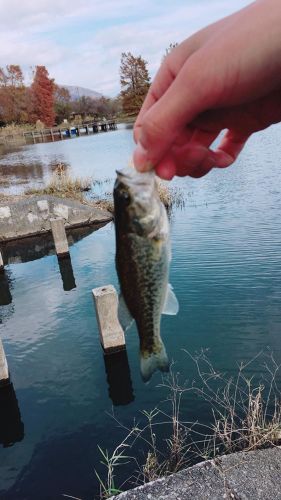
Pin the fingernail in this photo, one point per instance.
(140, 158)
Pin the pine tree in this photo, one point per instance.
(135, 81)
(42, 97)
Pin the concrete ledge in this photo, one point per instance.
(31, 216)
(255, 475)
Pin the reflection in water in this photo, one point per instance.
(117, 369)
(11, 426)
(5, 294)
(36, 247)
(24, 171)
(67, 273)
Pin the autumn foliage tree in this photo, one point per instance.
(42, 97)
(13, 95)
(135, 81)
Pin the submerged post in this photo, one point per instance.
(59, 235)
(1, 263)
(106, 304)
(4, 372)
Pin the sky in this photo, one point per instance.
(81, 41)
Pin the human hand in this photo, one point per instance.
(227, 76)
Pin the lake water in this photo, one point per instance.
(226, 272)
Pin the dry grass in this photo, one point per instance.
(64, 186)
(170, 196)
(4, 182)
(105, 204)
(14, 129)
(246, 415)
(12, 135)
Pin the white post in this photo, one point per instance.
(4, 372)
(111, 333)
(59, 235)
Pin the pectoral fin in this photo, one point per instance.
(124, 315)
(171, 305)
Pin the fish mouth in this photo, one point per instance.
(122, 174)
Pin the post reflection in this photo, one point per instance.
(119, 381)
(11, 426)
(5, 294)
(67, 275)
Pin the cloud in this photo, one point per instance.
(81, 43)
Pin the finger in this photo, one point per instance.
(183, 100)
(191, 158)
(184, 161)
(229, 148)
(167, 168)
(174, 62)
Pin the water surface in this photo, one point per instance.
(225, 271)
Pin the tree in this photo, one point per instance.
(13, 99)
(135, 81)
(62, 103)
(42, 97)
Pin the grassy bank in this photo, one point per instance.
(244, 415)
(65, 186)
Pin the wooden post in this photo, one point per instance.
(106, 304)
(4, 372)
(87, 130)
(33, 137)
(59, 235)
(52, 135)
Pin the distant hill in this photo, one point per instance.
(77, 92)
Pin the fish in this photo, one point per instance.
(143, 256)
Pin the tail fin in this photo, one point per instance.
(150, 362)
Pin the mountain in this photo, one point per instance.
(77, 92)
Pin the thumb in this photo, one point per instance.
(187, 96)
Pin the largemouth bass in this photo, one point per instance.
(142, 261)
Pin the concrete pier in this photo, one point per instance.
(59, 235)
(4, 371)
(111, 333)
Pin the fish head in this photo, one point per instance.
(137, 204)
